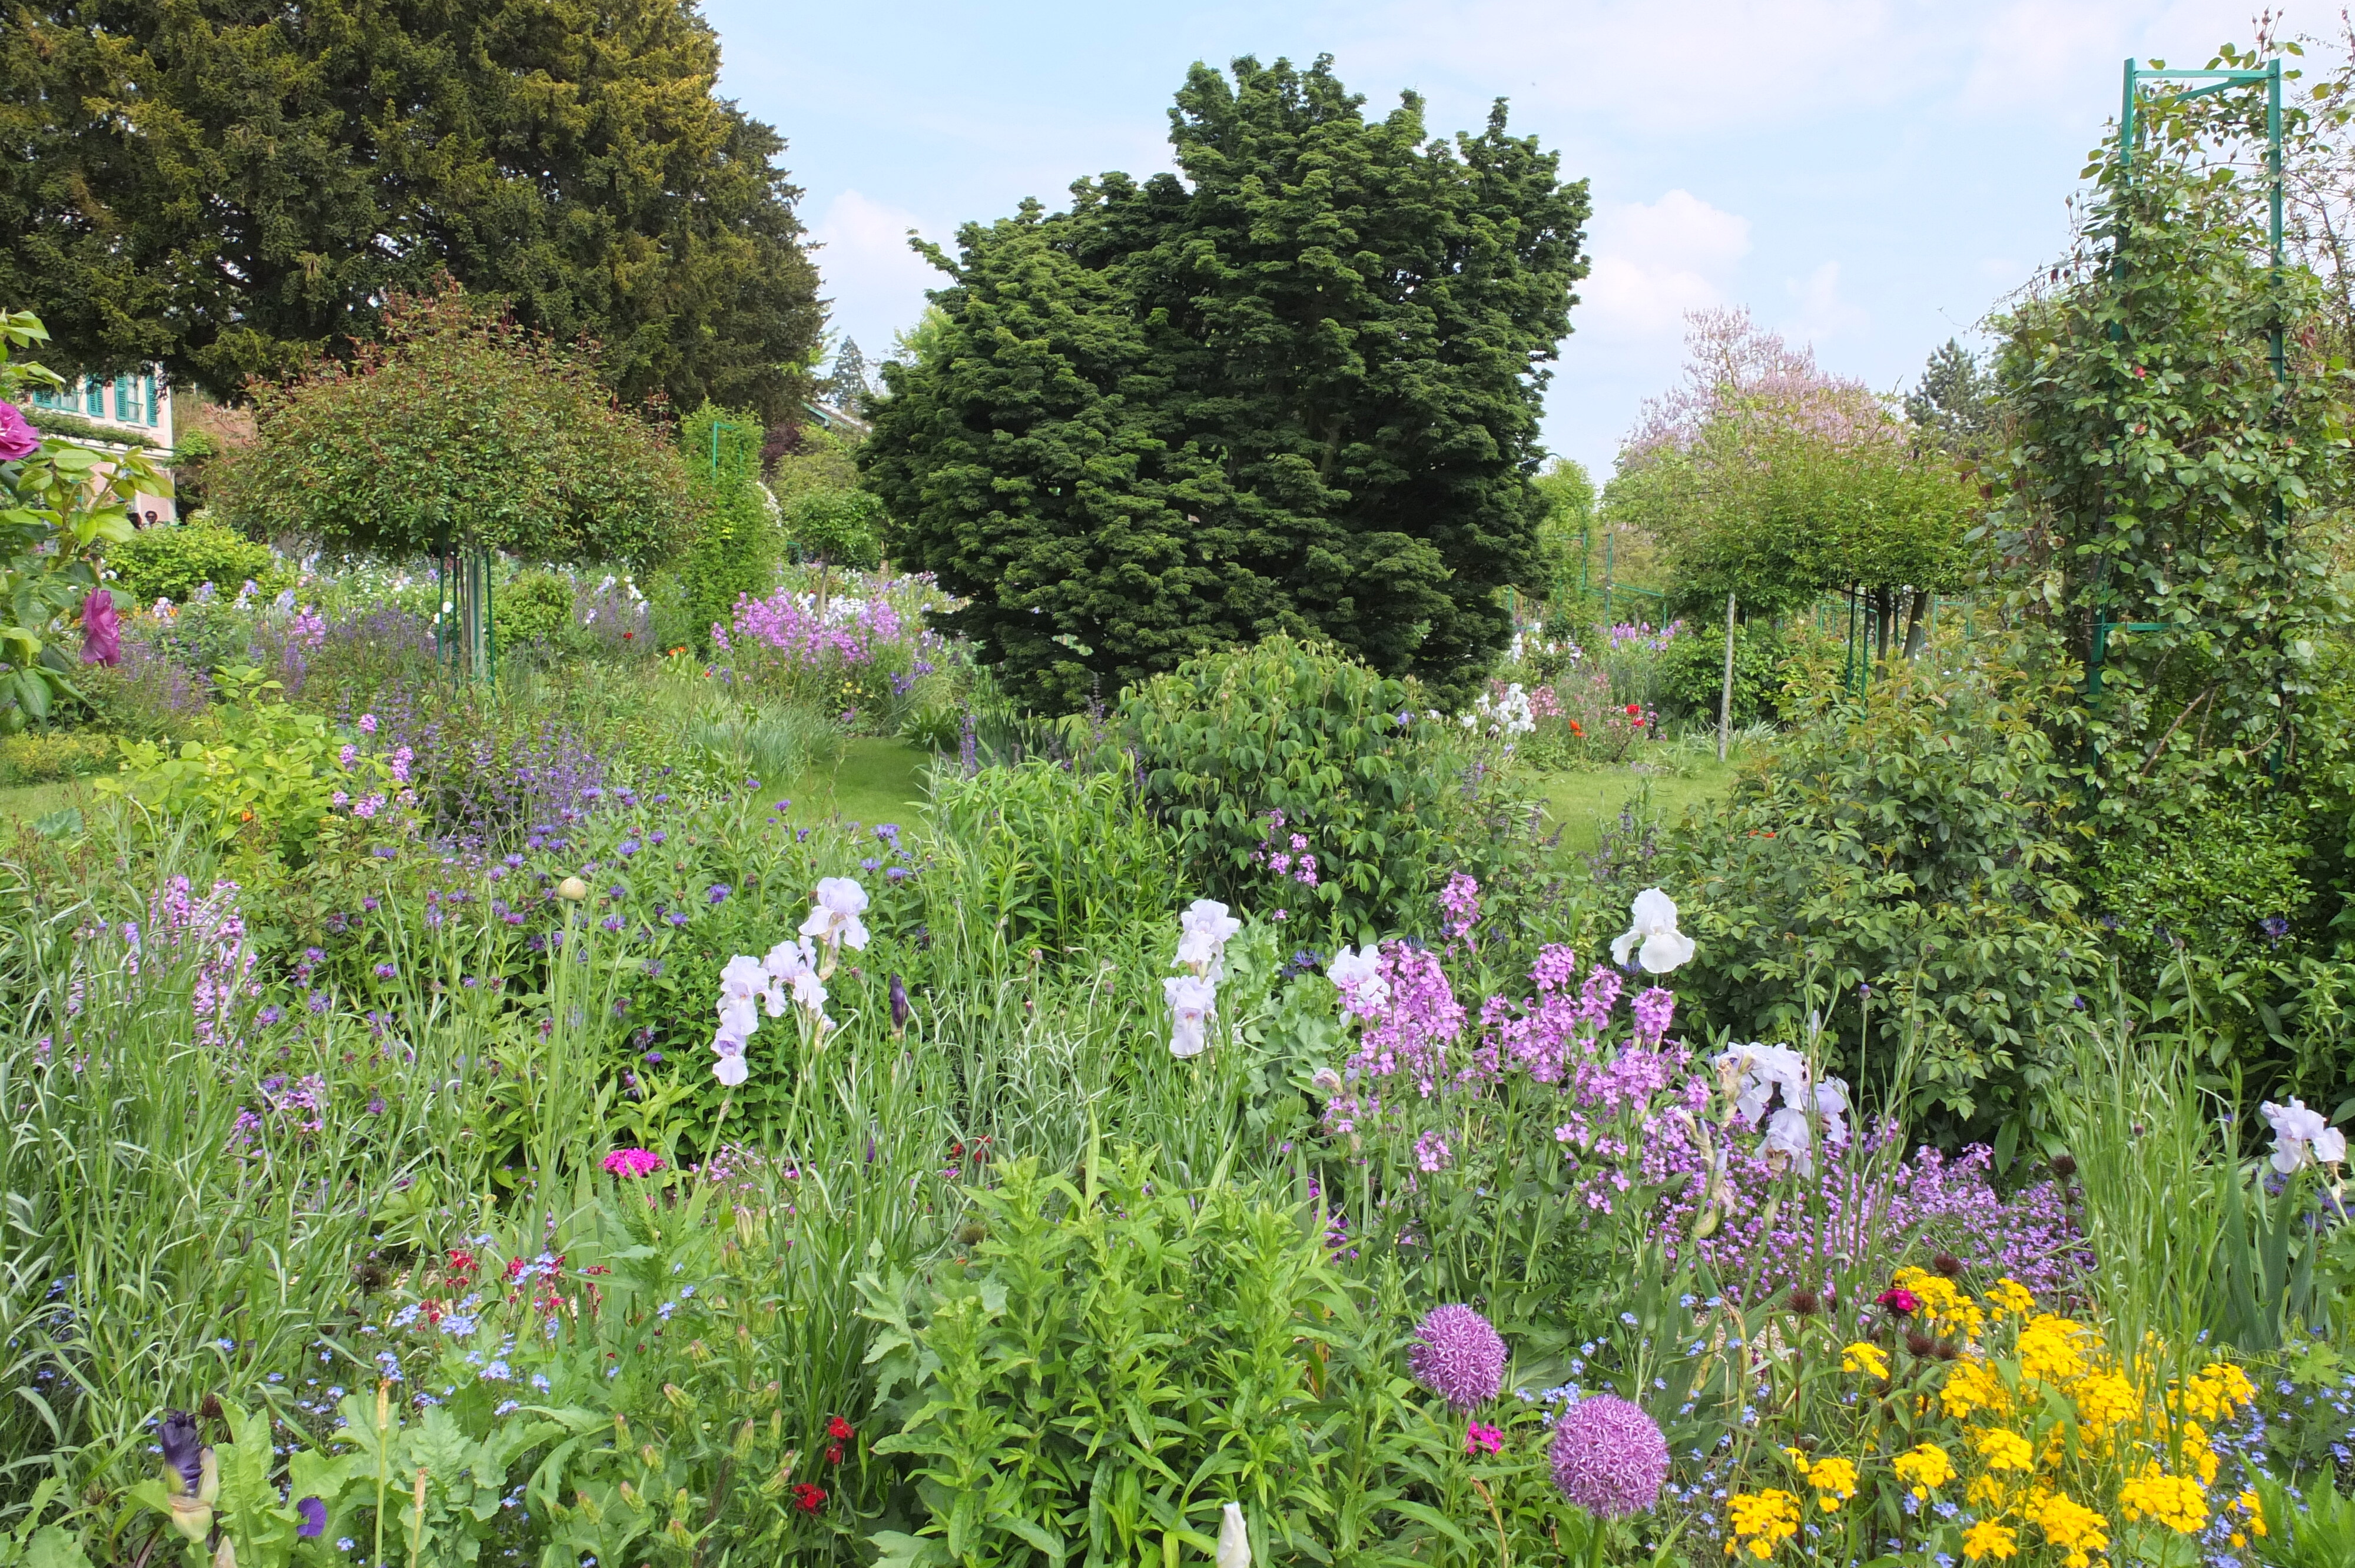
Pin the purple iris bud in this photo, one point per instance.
(314, 1519)
(901, 1010)
(183, 1450)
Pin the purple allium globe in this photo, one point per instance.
(1459, 1356)
(1609, 1456)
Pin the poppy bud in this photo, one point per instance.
(573, 888)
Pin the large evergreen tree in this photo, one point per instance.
(1293, 388)
(232, 185)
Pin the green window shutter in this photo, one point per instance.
(93, 398)
(152, 420)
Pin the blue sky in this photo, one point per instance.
(1871, 176)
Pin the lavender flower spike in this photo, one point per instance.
(1459, 1356)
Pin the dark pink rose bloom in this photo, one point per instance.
(17, 439)
(102, 632)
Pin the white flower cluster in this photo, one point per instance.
(1358, 978)
(1526, 646)
(1202, 934)
(794, 974)
(1758, 1075)
(1653, 923)
(2303, 1138)
(1505, 715)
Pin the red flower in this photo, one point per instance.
(1634, 707)
(627, 635)
(834, 1453)
(808, 1497)
(1575, 729)
(461, 1261)
(1900, 1302)
(839, 1429)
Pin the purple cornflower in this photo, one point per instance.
(385, 971)
(719, 892)
(2275, 926)
(1458, 1355)
(1609, 1456)
(318, 1001)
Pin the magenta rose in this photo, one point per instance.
(18, 438)
(101, 631)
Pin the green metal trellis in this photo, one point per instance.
(2217, 82)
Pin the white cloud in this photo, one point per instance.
(1654, 262)
(875, 282)
(1823, 314)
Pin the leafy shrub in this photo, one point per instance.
(532, 608)
(1029, 1367)
(1384, 800)
(843, 526)
(40, 756)
(735, 551)
(174, 562)
(1063, 859)
(1905, 860)
(1691, 672)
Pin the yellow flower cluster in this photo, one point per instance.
(1944, 1307)
(2175, 1501)
(1761, 1520)
(1833, 1479)
(2070, 1525)
(1924, 1468)
(2003, 1395)
(1865, 1357)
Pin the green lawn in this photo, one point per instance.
(1582, 804)
(26, 802)
(880, 779)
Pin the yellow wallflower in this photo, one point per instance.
(2175, 1501)
(2053, 1350)
(2104, 1400)
(2216, 1391)
(2248, 1503)
(1988, 1494)
(1972, 1386)
(1833, 1480)
(1867, 1358)
(1924, 1467)
(1760, 1521)
(2198, 1454)
(1987, 1539)
(2005, 1450)
(2073, 1527)
(2010, 1298)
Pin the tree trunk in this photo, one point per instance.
(1916, 630)
(463, 630)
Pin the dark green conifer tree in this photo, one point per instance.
(1294, 390)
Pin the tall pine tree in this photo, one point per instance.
(232, 186)
(1297, 390)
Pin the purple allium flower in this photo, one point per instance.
(1458, 1355)
(1609, 1456)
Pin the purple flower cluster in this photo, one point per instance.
(1458, 1355)
(1609, 1457)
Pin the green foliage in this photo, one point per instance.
(1919, 845)
(58, 507)
(532, 608)
(1689, 673)
(574, 161)
(736, 545)
(2160, 475)
(260, 773)
(1289, 391)
(1389, 809)
(41, 757)
(1956, 406)
(457, 429)
(1114, 1359)
(172, 562)
(842, 527)
(1065, 859)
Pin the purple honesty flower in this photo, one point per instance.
(1458, 1355)
(1609, 1456)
